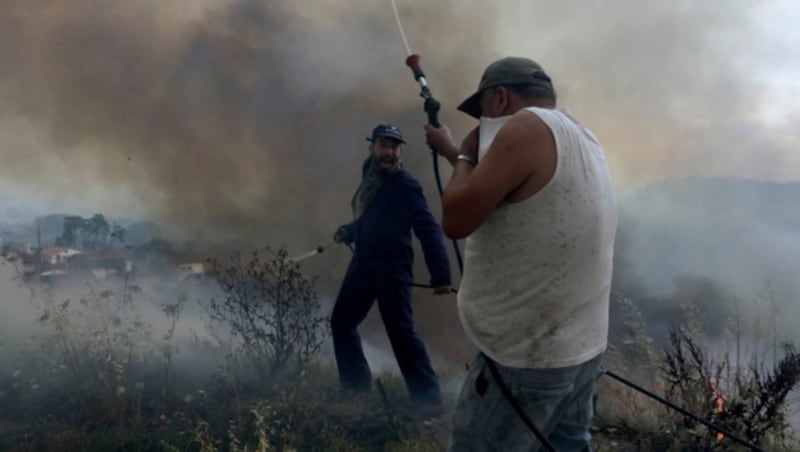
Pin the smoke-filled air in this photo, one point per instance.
(217, 126)
(247, 117)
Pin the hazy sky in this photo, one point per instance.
(247, 118)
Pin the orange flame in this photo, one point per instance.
(719, 403)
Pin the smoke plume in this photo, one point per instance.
(246, 118)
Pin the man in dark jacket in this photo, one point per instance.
(388, 204)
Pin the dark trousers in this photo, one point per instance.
(391, 286)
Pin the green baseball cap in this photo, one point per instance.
(506, 71)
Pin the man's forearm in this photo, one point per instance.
(450, 153)
(461, 171)
(457, 203)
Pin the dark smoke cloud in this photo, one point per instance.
(246, 118)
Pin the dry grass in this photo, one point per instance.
(101, 381)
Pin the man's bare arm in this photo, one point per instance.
(521, 146)
(440, 139)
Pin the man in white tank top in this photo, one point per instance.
(531, 194)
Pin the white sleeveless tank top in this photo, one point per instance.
(537, 274)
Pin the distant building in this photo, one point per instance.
(58, 254)
(22, 248)
(101, 263)
(195, 270)
(22, 257)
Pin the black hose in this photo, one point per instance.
(520, 412)
(428, 286)
(438, 178)
(431, 107)
(503, 388)
(666, 402)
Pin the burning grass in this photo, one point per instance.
(749, 400)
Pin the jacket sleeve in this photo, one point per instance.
(430, 235)
(346, 233)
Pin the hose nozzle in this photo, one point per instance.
(413, 62)
(431, 105)
(314, 252)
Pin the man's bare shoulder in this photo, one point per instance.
(529, 121)
(524, 127)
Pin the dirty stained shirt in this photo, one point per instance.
(537, 273)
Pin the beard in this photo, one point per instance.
(385, 161)
(386, 165)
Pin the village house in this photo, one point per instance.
(56, 255)
(195, 270)
(101, 263)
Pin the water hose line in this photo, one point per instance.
(431, 107)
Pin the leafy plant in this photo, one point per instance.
(271, 310)
(753, 405)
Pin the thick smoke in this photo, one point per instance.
(246, 118)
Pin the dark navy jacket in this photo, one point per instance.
(382, 235)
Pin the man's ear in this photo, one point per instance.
(503, 99)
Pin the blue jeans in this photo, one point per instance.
(558, 402)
